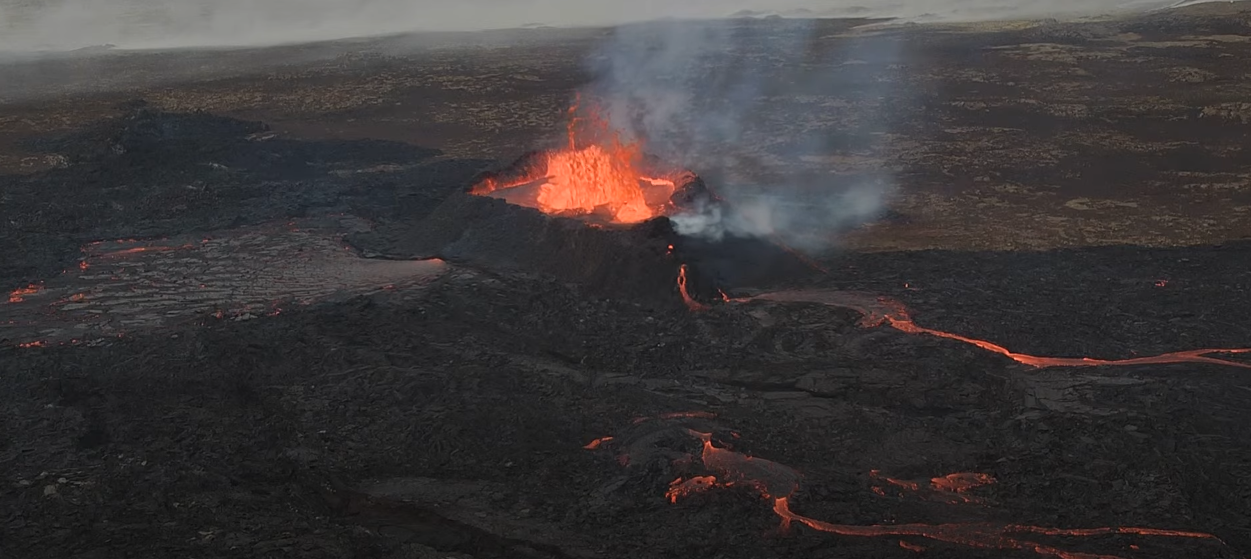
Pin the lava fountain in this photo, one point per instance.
(597, 175)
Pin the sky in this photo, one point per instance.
(27, 25)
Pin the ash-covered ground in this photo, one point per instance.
(256, 382)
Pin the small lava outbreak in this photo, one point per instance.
(779, 484)
(18, 295)
(596, 174)
(950, 488)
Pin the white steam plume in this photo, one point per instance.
(758, 110)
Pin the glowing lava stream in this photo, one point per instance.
(777, 483)
(691, 303)
(882, 310)
(980, 535)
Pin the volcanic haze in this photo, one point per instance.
(41, 25)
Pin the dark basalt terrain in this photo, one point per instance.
(1062, 189)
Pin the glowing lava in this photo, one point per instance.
(882, 310)
(138, 250)
(778, 483)
(911, 546)
(980, 535)
(691, 303)
(951, 488)
(676, 415)
(596, 173)
(18, 295)
(961, 482)
(681, 488)
(596, 443)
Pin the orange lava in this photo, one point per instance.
(596, 443)
(686, 296)
(911, 546)
(905, 324)
(681, 488)
(137, 250)
(961, 482)
(677, 415)
(882, 310)
(37, 343)
(768, 477)
(909, 485)
(979, 535)
(595, 173)
(950, 488)
(18, 295)
(777, 483)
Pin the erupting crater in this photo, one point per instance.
(591, 212)
(597, 176)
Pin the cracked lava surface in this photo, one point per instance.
(124, 286)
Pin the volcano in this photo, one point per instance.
(595, 212)
(194, 363)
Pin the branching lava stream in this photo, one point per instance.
(882, 310)
(778, 483)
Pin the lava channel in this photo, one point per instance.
(878, 310)
(691, 303)
(981, 535)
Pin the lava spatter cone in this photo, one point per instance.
(595, 211)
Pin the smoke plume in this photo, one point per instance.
(759, 110)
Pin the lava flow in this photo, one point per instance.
(691, 303)
(778, 483)
(951, 488)
(882, 310)
(980, 535)
(596, 173)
